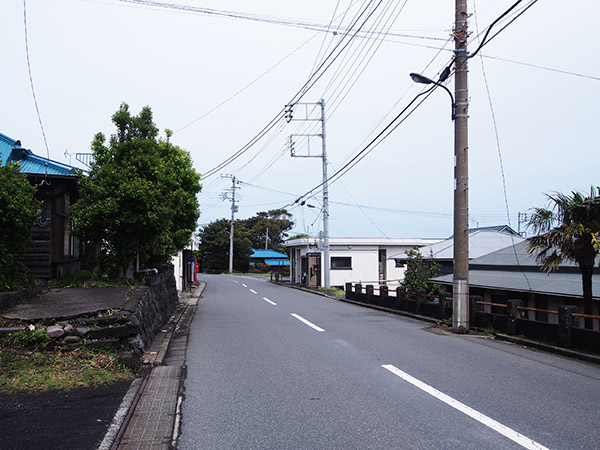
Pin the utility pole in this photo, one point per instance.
(234, 209)
(460, 294)
(307, 118)
(266, 238)
(326, 263)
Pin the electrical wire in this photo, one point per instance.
(262, 75)
(323, 67)
(296, 23)
(37, 109)
(327, 33)
(353, 64)
(393, 125)
(497, 136)
(382, 135)
(565, 72)
(486, 42)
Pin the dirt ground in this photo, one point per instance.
(53, 420)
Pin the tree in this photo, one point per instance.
(270, 227)
(418, 272)
(139, 197)
(18, 212)
(214, 246)
(569, 228)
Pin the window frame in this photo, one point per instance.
(346, 267)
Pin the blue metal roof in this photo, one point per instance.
(272, 254)
(12, 151)
(6, 147)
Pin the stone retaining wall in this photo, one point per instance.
(150, 306)
(12, 298)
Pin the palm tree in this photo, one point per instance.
(568, 229)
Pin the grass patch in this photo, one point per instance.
(35, 371)
(335, 292)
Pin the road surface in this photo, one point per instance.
(270, 367)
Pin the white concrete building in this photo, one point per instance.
(179, 262)
(365, 260)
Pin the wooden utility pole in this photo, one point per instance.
(460, 294)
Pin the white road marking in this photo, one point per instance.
(253, 291)
(306, 322)
(244, 285)
(511, 434)
(269, 301)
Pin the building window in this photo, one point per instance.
(341, 262)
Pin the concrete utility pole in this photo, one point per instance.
(267, 238)
(460, 291)
(326, 263)
(234, 209)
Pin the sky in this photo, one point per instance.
(217, 81)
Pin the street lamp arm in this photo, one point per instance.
(418, 78)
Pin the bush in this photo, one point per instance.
(18, 212)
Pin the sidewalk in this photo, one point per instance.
(149, 415)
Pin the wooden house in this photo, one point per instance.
(54, 251)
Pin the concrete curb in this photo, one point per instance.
(570, 353)
(588, 357)
(119, 418)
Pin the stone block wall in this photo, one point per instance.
(150, 306)
(13, 298)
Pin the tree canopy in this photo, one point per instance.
(18, 212)
(139, 197)
(214, 246)
(269, 227)
(568, 227)
(418, 272)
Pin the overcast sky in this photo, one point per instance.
(217, 81)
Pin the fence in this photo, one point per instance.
(510, 318)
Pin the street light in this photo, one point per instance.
(418, 78)
(460, 280)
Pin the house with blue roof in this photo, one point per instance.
(54, 251)
(276, 261)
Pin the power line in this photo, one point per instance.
(37, 109)
(316, 75)
(354, 70)
(535, 66)
(296, 23)
(262, 75)
(383, 134)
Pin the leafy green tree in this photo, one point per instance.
(18, 212)
(569, 227)
(418, 272)
(270, 227)
(138, 198)
(214, 246)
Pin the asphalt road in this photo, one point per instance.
(271, 367)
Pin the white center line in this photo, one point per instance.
(303, 320)
(253, 291)
(269, 301)
(511, 434)
(244, 285)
